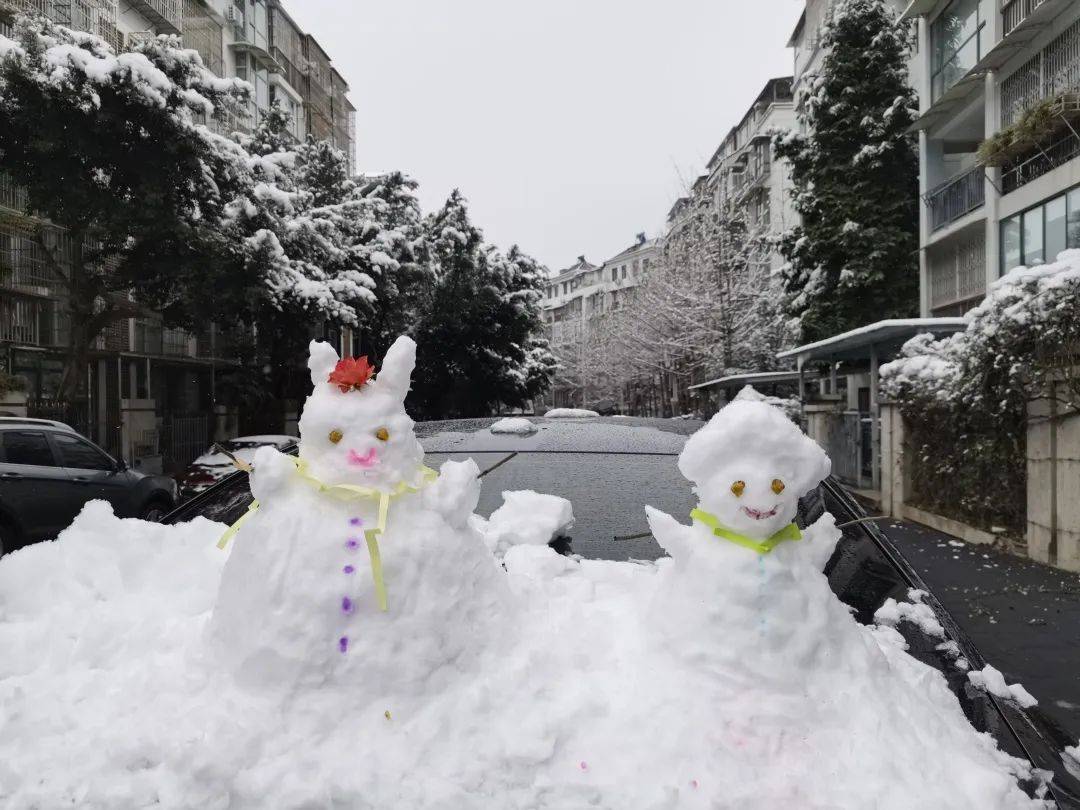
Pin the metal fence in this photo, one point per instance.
(850, 446)
(183, 439)
(957, 196)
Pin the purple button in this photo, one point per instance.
(343, 643)
(346, 605)
(348, 569)
(356, 521)
(352, 544)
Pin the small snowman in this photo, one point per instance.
(356, 555)
(744, 592)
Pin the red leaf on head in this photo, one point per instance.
(351, 373)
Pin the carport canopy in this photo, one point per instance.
(753, 378)
(875, 342)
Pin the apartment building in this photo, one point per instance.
(151, 393)
(576, 300)
(987, 67)
(744, 174)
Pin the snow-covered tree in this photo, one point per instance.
(852, 261)
(479, 330)
(709, 305)
(109, 147)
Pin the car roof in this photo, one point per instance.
(23, 421)
(266, 438)
(593, 434)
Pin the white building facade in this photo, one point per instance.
(575, 302)
(985, 65)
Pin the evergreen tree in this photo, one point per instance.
(478, 332)
(109, 148)
(855, 176)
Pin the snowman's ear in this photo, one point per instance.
(395, 376)
(321, 360)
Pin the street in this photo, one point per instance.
(1023, 616)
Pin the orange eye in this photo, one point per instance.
(738, 488)
(777, 486)
(335, 435)
(382, 434)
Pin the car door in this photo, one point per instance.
(96, 474)
(33, 484)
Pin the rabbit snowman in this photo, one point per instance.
(299, 599)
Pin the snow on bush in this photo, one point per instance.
(143, 667)
(992, 681)
(513, 424)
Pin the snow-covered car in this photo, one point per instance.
(212, 466)
(608, 468)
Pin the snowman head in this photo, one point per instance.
(354, 429)
(750, 465)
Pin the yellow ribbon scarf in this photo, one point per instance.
(349, 492)
(789, 532)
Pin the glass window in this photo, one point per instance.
(1010, 244)
(1073, 226)
(1033, 237)
(26, 447)
(80, 454)
(1055, 228)
(954, 37)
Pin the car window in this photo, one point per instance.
(80, 454)
(26, 447)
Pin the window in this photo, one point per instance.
(75, 452)
(1055, 228)
(954, 42)
(1010, 243)
(614, 273)
(26, 447)
(1033, 237)
(1041, 233)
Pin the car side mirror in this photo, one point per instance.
(121, 465)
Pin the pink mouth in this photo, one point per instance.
(367, 461)
(757, 514)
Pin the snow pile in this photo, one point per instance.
(714, 678)
(992, 681)
(513, 424)
(570, 413)
(891, 613)
(525, 518)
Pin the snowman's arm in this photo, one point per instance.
(819, 540)
(672, 536)
(455, 493)
(271, 474)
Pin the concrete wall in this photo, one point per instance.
(1053, 485)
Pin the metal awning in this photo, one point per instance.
(739, 380)
(856, 344)
(918, 8)
(959, 94)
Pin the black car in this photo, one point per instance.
(48, 471)
(609, 467)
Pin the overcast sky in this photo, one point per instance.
(570, 125)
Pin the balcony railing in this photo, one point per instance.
(166, 15)
(1015, 12)
(1043, 161)
(956, 197)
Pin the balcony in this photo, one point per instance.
(956, 197)
(164, 15)
(1015, 12)
(1042, 162)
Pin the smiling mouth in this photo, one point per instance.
(757, 514)
(367, 460)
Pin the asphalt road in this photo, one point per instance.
(1023, 616)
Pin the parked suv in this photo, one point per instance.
(48, 471)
